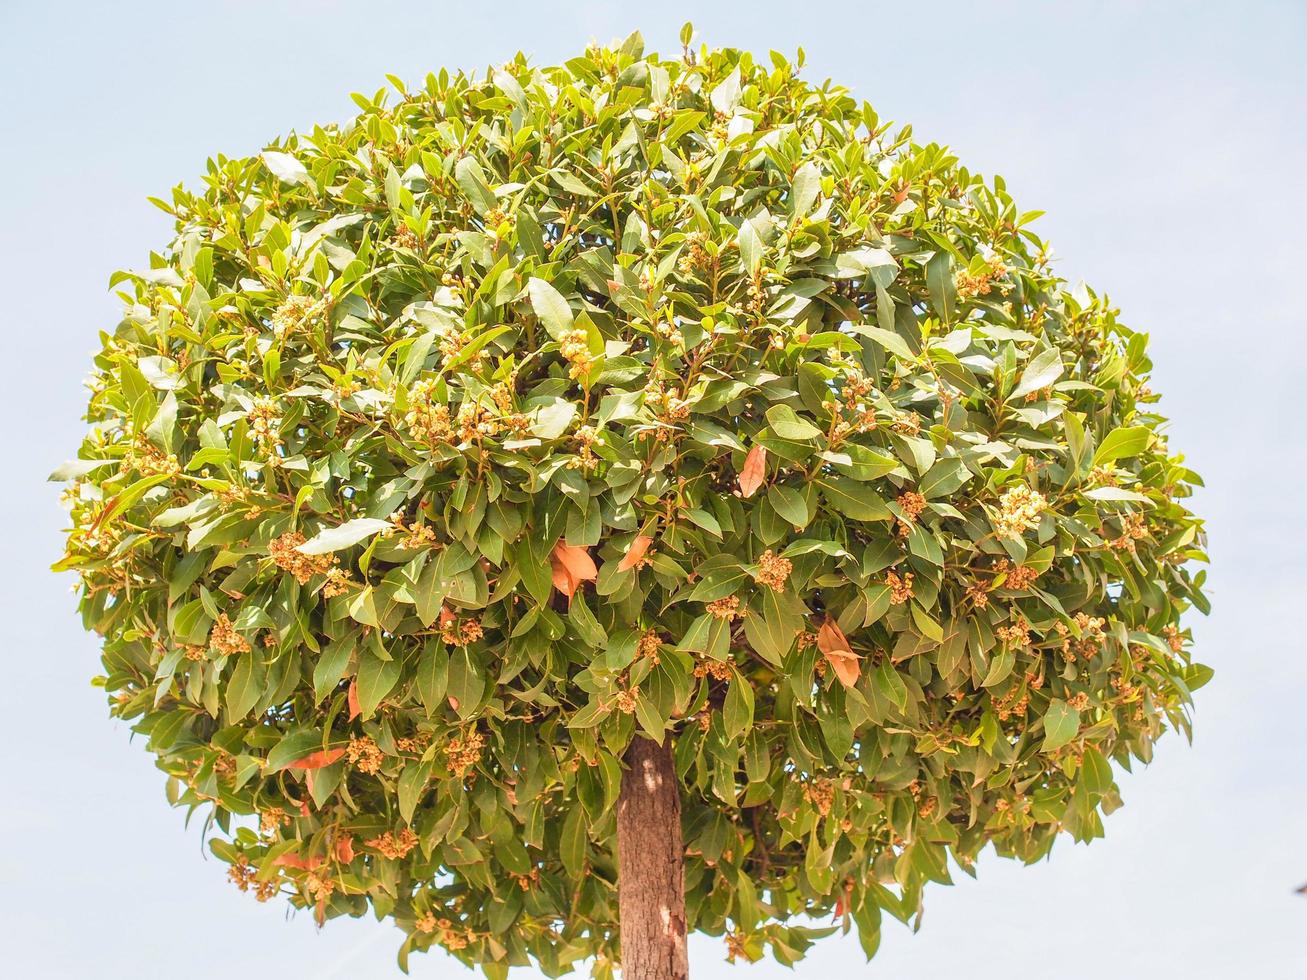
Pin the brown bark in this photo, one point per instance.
(651, 866)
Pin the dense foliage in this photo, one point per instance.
(445, 450)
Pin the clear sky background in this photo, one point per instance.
(1166, 141)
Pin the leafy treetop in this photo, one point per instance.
(445, 450)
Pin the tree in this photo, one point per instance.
(645, 493)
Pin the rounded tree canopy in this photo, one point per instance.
(445, 451)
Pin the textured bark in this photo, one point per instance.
(651, 866)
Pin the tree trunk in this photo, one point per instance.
(651, 865)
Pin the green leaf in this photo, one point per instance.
(294, 745)
(347, 534)
(471, 180)
(412, 783)
(245, 687)
(737, 711)
(888, 339)
(551, 420)
(285, 167)
(550, 307)
(788, 425)
(376, 679)
(803, 192)
(789, 503)
(1044, 369)
(331, 665)
(433, 676)
(853, 500)
(861, 463)
(939, 282)
(1115, 494)
(681, 124)
(572, 841)
(467, 682)
(719, 580)
(77, 468)
(751, 246)
(942, 479)
(1061, 723)
(726, 95)
(1122, 443)
(1095, 772)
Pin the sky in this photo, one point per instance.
(1165, 141)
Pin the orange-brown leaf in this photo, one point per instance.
(846, 666)
(317, 760)
(570, 566)
(354, 709)
(831, 637)
(295, 861)
(834, 646)
(635, 553)
(754, 472)
(345, 850)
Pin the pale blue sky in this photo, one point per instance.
(1166, 141)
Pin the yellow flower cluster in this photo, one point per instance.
(415, 743)
(462, 752)
(716, 669)
(149, 460)
(394, 846)
(907, 424)
(693, 255)
(669, 332)
(970, 284)
(757, 294)
(450, 937)
(1018, 510)
(458, 633)
(406, 237)
(649, 645)
(364, 754)
(1018, 577)
(242, 874)
(900, 587)
(625, 701)
(318, 887)
(428, 419)
(283, 550)
(1091, 636)
(295, 313)
(224, 639)
(773, 570)
(1015, 634)
(1134, 528)
(574, 345)
(821, 794)
(338, 583)
(1012, 705)
(912, 504)
(265, 423)
(476, 422)
(585, 460)
(728, 608)
(273, 818)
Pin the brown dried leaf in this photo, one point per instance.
(754, 472)
(635, 552)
